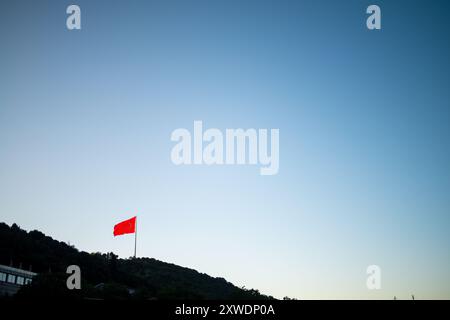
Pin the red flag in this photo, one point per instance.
(124, 227)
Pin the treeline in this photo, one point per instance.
(105, 276)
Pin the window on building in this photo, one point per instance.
(28, 281)
(2, 276)
(20, 281)
(11, 278)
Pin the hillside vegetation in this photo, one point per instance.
(104, 275)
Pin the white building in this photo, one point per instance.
(11, 279)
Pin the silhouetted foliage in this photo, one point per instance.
(105, 276)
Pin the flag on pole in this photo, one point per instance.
(124, 227)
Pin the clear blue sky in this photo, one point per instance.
(86, 118)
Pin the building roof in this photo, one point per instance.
(16, 271)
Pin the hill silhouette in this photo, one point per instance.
(104, 275)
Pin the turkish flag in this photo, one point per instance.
(124, 227)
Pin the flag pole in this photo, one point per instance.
(135, 237)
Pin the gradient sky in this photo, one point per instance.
(86, 118)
